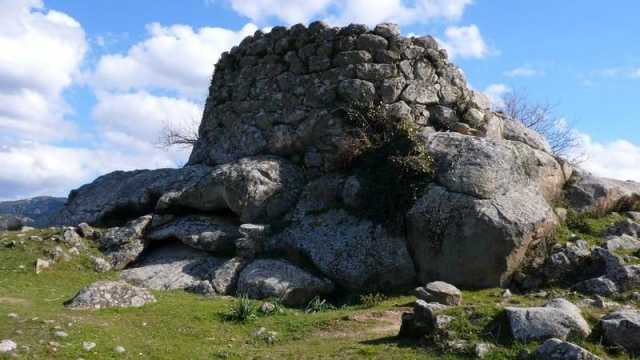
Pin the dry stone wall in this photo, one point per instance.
(277, 93)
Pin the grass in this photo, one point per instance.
(586, 227)
(179, 325)
(182, 325)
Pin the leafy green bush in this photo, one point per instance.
(318, 305)
(389, 157)
(242, 310)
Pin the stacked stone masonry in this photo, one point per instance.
(278, 93)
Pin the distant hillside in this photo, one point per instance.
(38, 208)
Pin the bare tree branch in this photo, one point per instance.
(541, 118)
(184, 134)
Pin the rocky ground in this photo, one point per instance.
(45, 315)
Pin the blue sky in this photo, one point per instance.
(86, 86)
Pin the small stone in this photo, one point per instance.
(481, 350)
(387, 30)
(88, 345)
(7, 346)
(12, 316)
(119, 349)
(506, 294)
(440, 292)
(267, 308)
(557, 349)
(60, 334)
(100, 265)
(85, 230)
(42, 264)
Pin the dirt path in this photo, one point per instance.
(366, 325)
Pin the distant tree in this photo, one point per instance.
(183, 134)
(541, 118)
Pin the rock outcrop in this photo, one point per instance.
(109, 294)
(588, 193)
(557, 319)
(622, 329)
(263, 279)
(556, 349)
(269, 177)
(115, 198)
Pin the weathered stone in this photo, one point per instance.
(417, 92)
(447, 230)
(256, 189)
(172, 266)
(558, 319)
(391, 89)
(422, 321)
(355, 253)
(71, 238)
(224, 278)
(100, 265)
(85, 230)
(622, 329)
(597, 286)
(109, 294)
(626, 227)
(387, 30)
(123, 245)
(371, 42)
(588, 193)
(352, 57)
(7, 346)
(440, 292)
(279, 279)
(516, 131)
(115, 198)
(556, 349)
(372, 72)
(208, 233)
(622, 242)
(41, 265)
(356, 90)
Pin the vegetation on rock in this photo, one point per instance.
(390, 158)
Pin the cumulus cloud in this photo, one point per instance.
(32, 169)
(618, 159)
(176, 58)
(523, 71)
(143, 115)
(362, 11)
(41, 53)
(464, 42)
(496, 92)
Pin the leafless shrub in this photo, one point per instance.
(540, 117)
(183, 134)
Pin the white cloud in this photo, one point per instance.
(523, 71)
(32, 169)
(291, 11)
(495, 92)
(143, 115)
(358, 11)
(41, 53)
(464, 42)
(175, 58)
(618, 159)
